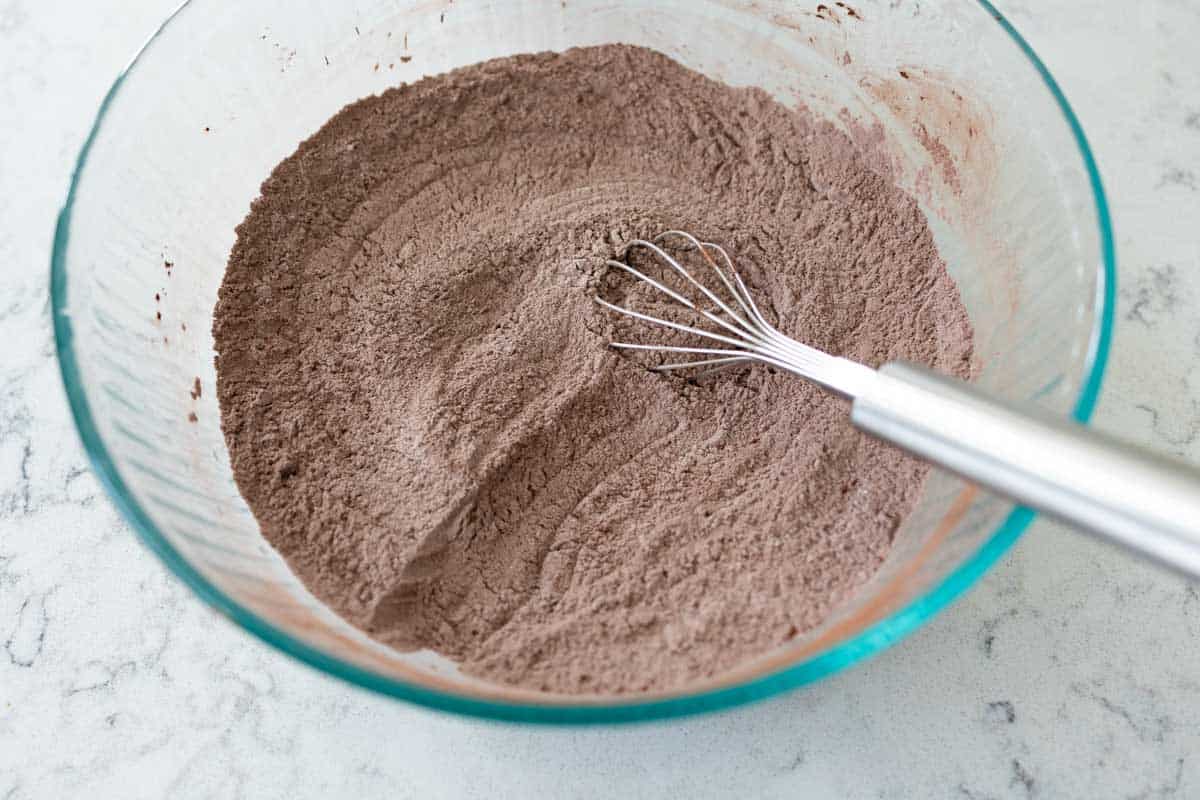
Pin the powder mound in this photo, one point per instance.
(422, 414)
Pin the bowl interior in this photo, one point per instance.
(953, 103)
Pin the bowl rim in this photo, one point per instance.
(865, 644)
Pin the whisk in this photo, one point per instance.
(1144, 501)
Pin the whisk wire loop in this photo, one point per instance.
(746, 331)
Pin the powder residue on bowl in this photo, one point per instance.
(423, 415)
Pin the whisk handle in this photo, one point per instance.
(1144, 501)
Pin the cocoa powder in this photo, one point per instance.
(423, 415)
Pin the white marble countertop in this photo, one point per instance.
(1071, 671)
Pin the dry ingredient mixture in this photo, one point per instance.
(423, 416)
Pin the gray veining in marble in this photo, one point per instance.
(1072, 671)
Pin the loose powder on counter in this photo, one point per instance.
(423, 415)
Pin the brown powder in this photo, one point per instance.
(422, 413)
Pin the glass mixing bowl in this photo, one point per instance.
(950, 96)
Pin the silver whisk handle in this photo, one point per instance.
(1139, 499)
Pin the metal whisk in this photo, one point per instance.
(1144, 501)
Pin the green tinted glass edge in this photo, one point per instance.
(866, 644)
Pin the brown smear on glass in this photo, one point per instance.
(423, 415)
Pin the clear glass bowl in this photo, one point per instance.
(971, 122)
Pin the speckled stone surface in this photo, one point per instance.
(1071, 671)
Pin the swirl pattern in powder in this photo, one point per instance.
(423, 416)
